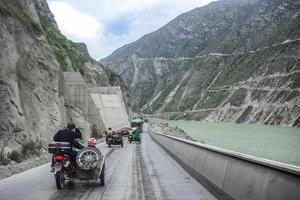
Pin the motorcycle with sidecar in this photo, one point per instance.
(90, 163)
(114, 139)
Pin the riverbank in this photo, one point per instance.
(164, 128)
(276, 143)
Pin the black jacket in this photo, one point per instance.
(78, 133)
(67, 135)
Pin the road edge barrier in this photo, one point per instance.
(232, 175)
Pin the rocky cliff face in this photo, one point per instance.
(233, 60)
(32, 58)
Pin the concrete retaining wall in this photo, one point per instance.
(94, 115)
(107, 90)
(75, 91)
(231, 175)
(76, 94)
(110, 103)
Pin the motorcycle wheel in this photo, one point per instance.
(60, 179)
(102, 176)
(122, 144)
(86, 157)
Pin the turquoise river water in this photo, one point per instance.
(272, 142)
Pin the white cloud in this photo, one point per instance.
(75, 23)
(89, 20)
(113, 8)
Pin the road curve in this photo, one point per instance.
(134, 172)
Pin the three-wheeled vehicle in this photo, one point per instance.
(124, 131)
(135, 136)
(90, 163)
(114, 139)
(137, 123)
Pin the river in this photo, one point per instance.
(272, 142)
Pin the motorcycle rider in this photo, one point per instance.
(130, 133)
(109, 132)
(69, 134)
(137, 133)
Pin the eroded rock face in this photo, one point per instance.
(229, 61)
(29, 82)
(33, 56)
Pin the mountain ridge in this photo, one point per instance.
(223, 44)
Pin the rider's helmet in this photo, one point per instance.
(71, 125)
(92, 142)
(109, 128)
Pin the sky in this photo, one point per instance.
(106, 25)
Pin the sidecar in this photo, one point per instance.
(90, 165)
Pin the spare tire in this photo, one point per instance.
(89, 158)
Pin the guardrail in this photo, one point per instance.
(232, 175)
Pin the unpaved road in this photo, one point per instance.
(134, 172)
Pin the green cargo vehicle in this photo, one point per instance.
(137, 123)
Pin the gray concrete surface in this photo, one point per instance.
(110, 103)
(231, 175)
(107, 90)
(134, 172)
(76, 93)
(75, 90)
(103, 106)
(94, 116)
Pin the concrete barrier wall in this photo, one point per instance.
(231, 175)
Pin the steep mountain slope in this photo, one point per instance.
(233, 60)
(32, 58)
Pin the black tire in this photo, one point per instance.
(60, 179)
(109, 144)
(122, 144)
(102, 176)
